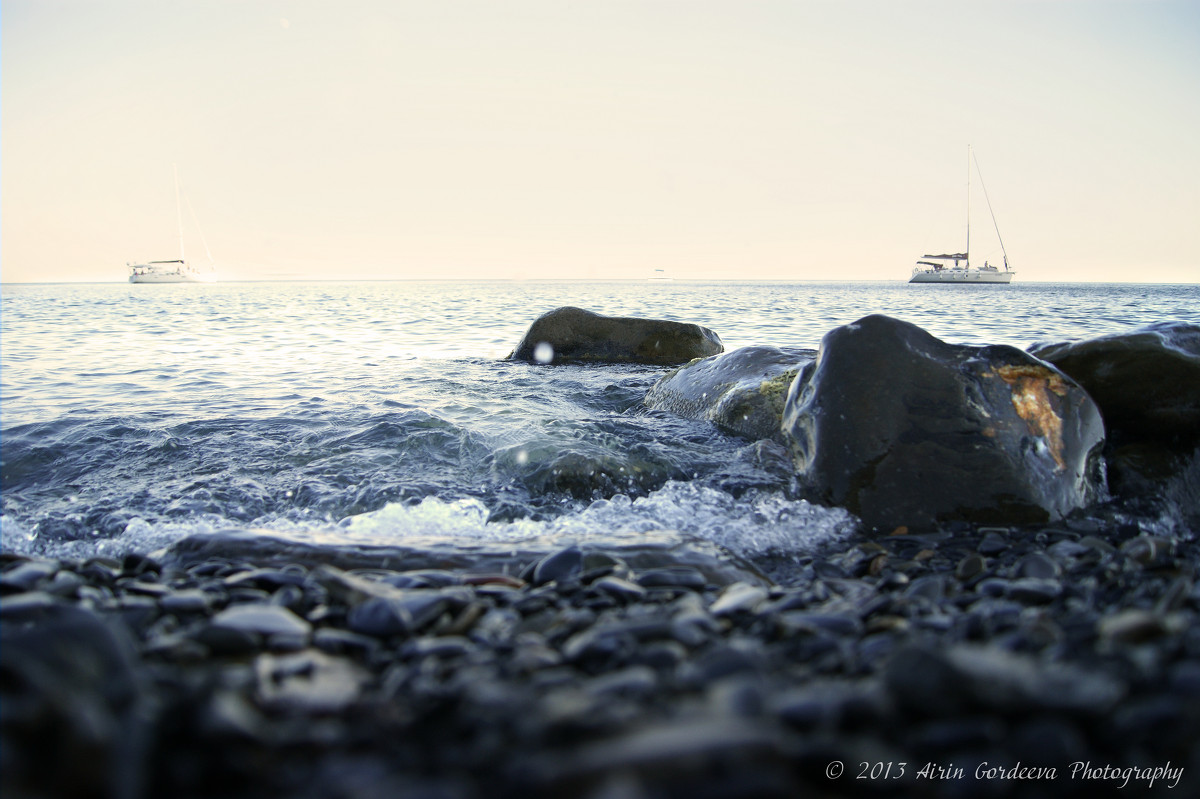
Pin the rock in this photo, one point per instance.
(75, 720)
(969, 567)
(664, 751)
(559, 565)
(308, 681)
(648, 550)
(1040, 565)
(187, 601)
(25, 575)
(1132, 626)
(963, 679)
(573, 335)
(902, 428)
(672, 577)
(404, 613)
(264, 620)
(1146, 381)
(741, 391)
(738, 598)
(622, 589)
(1147, 385)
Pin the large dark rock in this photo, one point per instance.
(74, 721)
(1147, 385)
(573, 335)
(742, 391)
(902, 428)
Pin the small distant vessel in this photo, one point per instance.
(660, 276)
(176, 270)
(956, 267)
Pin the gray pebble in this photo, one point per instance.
(262, 620)
(191, 600)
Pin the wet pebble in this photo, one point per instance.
(739, 598)
(261, 620)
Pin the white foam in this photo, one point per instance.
(764, 524)
(754, 525)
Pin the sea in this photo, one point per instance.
(380, 413)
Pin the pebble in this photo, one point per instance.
(1034, 590)
(589, 677)
(970, 567)
(559, 565)
(187, 601)
(25, 575)
(261, 620)
(739, 598)
(673, 577)
(1132, 626)
(1038, 565)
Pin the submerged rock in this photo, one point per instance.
(1147, 385)
(742, 391)
(499, 555)
(573, 335)
(902, 428)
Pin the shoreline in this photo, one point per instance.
(993, 648)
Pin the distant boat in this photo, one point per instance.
(176, 270)
(956, 267)
(659, 276)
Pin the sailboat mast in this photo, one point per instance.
(178, 211)
(968, 250)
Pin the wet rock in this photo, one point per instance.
(309, 681)
(624, 589)
(28, 604)
(902, 428)
(839, 624)
(741, 391)
(1034, 590)
(188, 601)
(722, 661)
(646, 551)
(1132, 626)
(1149, 551)
(559, 566)
(74, 719)
(739, 598)
(668, 755)
(1147, 385)
(992, 543)
(335, 641)
(405, 613)
(266, 620)
(1039, 565)
(970, 567)
(965, 679)
(672, 576)
(573, 335)
(634, 681)
(598, 646)
(25, 575)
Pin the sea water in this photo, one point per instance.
(384, 412)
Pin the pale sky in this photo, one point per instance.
(740, 139)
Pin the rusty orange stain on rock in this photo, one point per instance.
(1031, 388)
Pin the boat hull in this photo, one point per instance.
(961, 276)
(168, 273)
(165, 279)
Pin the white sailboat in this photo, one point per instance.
(956, 267)
(176, 270)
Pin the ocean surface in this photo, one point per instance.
(383, 412)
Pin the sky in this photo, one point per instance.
(744, 139)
